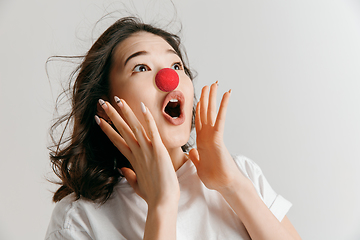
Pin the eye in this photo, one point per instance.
(141, 68)
(177, 66)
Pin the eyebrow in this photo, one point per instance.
(135, 55)
(145, 53)
(173, 51)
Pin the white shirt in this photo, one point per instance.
(202, 213)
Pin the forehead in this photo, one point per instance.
(140, 41)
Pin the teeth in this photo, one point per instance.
(174, 100)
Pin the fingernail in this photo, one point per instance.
(143, 109)
(230, 91)
(118, 101)
(217, 83)
(97, 120)
(102, 103)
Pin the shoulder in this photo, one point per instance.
(278, 205)
(247, 166)
(252, 171)
(68, 220)
(62, 211)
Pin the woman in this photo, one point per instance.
(125, 171)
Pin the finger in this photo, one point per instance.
(197, 118)
(134, 124)
(220, 120)
(114, 137)
(151, 128)
(211, 115)
(194, 157)
(204, 104)
(120, 125)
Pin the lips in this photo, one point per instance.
(173, 107)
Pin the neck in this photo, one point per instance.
(178, 157)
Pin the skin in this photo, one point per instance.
(127, 82)
(152, 144)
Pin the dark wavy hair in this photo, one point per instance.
(86, 160)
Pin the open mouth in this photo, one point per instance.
(173, 107)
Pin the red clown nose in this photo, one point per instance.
(167, 79)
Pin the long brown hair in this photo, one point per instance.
(86, 161)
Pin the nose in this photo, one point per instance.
(167, 80)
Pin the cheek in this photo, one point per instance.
(189, 92)
(129, 90)
(134, 92)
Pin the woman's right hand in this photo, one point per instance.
(154, 178)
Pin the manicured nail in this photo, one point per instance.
(217, 83)
(143, 109)
(230, 91)
(102, 103)
(118, 101)
(97, 120)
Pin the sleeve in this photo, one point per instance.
(68, 234)
(278, 205)
(67, 222)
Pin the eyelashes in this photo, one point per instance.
(141, 68)
(177, 66)
(145, 68)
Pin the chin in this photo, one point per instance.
(176, 140)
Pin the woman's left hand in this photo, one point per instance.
(215, 166)
(217, 170)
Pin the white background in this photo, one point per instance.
(293, 67)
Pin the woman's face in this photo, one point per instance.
(132, 78)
